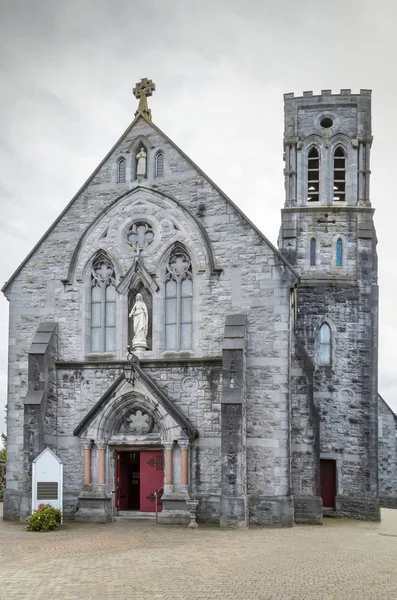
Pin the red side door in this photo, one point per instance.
(152, 478)
(122, 481)
(328, 482)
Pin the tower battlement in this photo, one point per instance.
(343, 92)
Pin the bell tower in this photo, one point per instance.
(328, 235)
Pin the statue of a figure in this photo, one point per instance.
(140, 321)
(141, 163)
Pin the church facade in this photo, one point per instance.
(166, 351)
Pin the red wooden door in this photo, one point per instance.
(328, 482)
(122, 481)
(152, 478)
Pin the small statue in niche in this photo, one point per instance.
(140, 321)
(141, 163)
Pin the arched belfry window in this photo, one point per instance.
(339, 253)
(325, 344)
(160, 165)
(178, 301)
(103, 305)
(339, 191)
(313, 252)
(313, 175)
(121, 170)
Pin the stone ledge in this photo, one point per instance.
(365, 509)
(308, 510)
(388, 501)
(271, 511)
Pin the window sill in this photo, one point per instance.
(177, 353)
(101, 356)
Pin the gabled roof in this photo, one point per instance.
(47, 451)
(157, 392)
(389, 407)
(189, 160)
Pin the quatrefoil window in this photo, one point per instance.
(140, 235)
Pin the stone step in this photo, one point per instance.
(134, 515)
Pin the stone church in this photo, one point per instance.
(166, 351)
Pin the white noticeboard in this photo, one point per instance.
(47, 480)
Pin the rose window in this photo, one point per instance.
(140, 235)
(139, 422)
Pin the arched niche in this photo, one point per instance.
(139, 288)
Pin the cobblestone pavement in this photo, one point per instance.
(341, 560)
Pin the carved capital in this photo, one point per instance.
(168, 446)
(88, 445)
(101, 445)
(183, 444)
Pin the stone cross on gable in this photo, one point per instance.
(326, 222)
(142, 90)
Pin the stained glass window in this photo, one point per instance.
(121, 171)
(103, 306)
(179, 301)
(325, 344)
(339, 253)
(160, 165)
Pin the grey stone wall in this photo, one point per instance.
(387, 456)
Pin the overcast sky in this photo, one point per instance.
(67, 68)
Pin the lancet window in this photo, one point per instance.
(103, 305)
(313, 252)
(160, 165)
(339, 192)
(313, 175)
(339, 253)
(121, 170)
(325, 344)
(178, 301)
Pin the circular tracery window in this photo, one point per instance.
(139, 422)
(140, 235)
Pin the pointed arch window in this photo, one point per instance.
(160, 165)
(179, 301)
(339, 191)
(313, 252)
(121, 171)
(325, 344)
(103, 305)
(339, 253)
(313, 175)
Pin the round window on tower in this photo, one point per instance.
(326, 123)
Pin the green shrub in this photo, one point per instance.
(45, 518)
(1, 495)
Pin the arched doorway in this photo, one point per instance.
(139, 479)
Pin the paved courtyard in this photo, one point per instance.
(341, 560)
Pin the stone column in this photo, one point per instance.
(367, 173)
(87, 462)
(184, 446)
(361, 174)
(101, 462)
(169, 480)
(233, 428)
(293, 172)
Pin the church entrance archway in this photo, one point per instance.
(139, 474)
